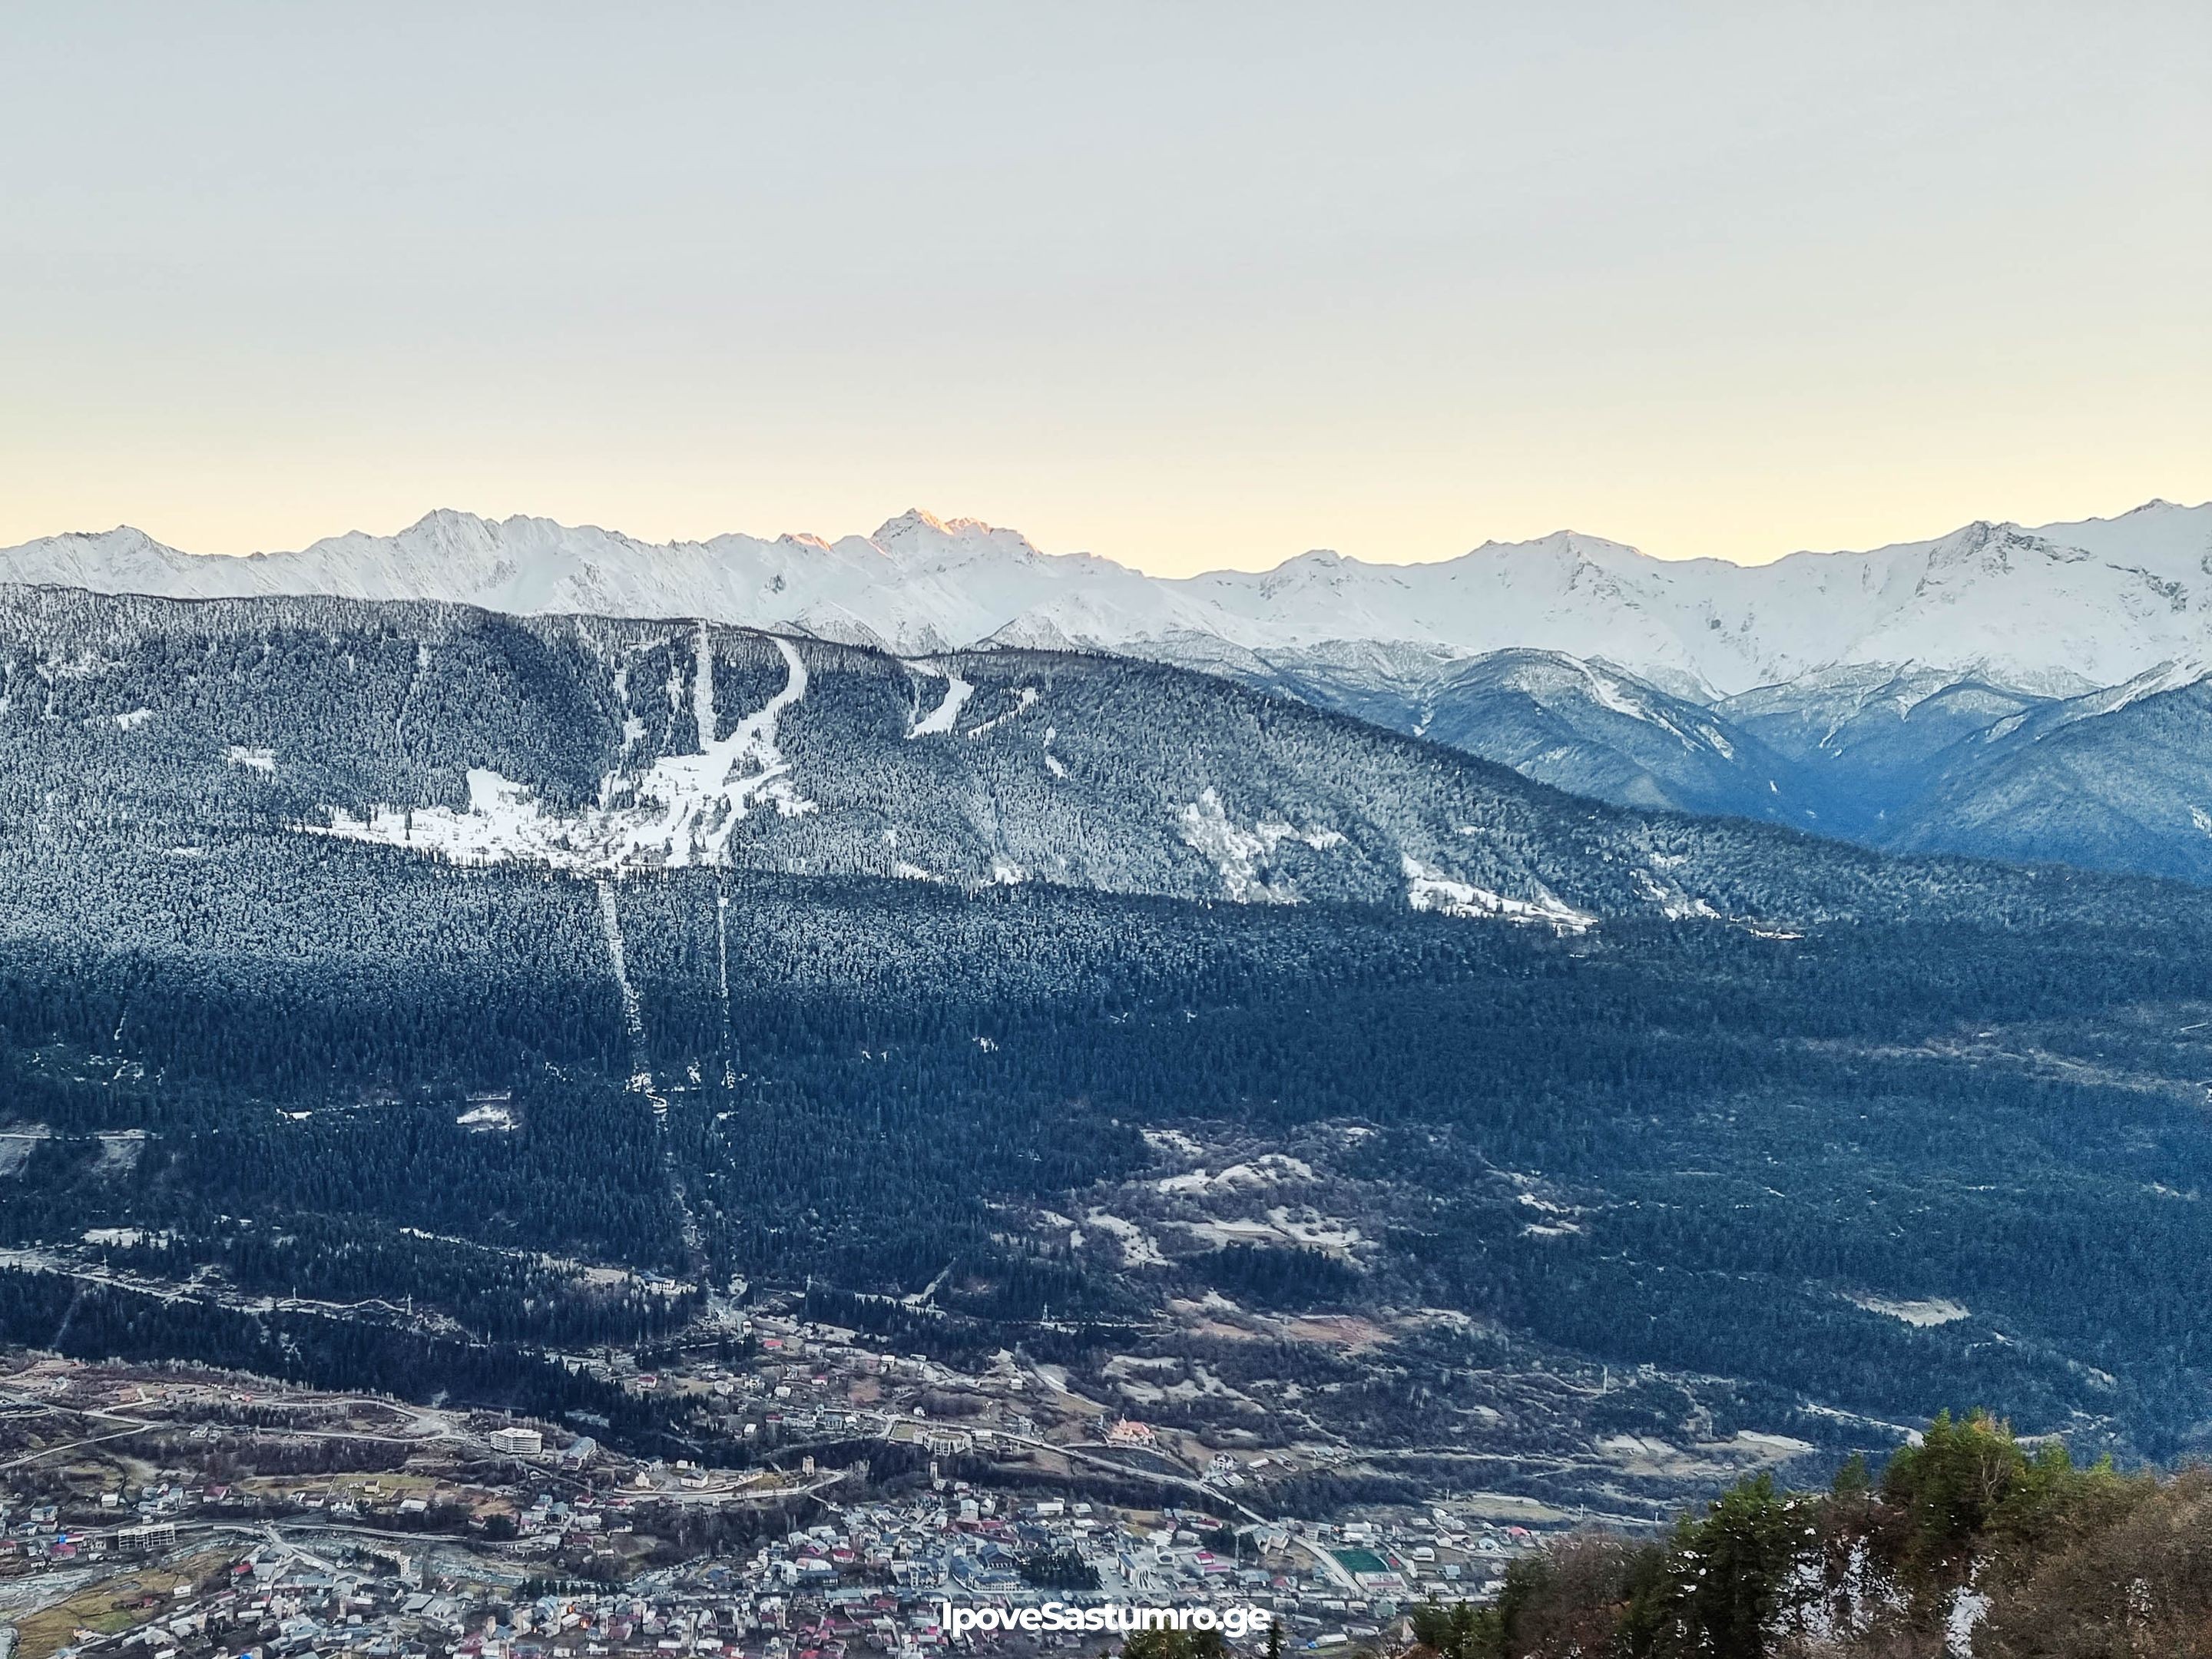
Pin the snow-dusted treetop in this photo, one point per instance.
(2059, 608)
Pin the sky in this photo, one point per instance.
(1189, 286)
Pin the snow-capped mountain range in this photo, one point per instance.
(2034, 694)
(2056, 609)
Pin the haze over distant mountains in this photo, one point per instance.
(2056, 609)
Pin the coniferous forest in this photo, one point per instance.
(1851, 1134)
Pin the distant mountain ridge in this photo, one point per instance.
(2056, 610)
(1902, 758)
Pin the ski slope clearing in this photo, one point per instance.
(937, 722)
(681, 812)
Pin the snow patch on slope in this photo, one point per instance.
(1920, 1312)
(1674, 903)
(1428, 888)
(1240, 853)
(1136, 1245)
(1266, 1170)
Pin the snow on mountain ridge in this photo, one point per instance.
(2060, 609)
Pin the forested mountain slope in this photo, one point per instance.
(1862, 1170)
(2118, 780)
(1588, 728)
(1910, 760)
(355, 951)
(1865, 744)
(606, 747)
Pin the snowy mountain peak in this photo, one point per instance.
(451, 520)
(125, 559)
(915, 528)
(1995, 544)
(2057, 609)
(123, 536)
(1563, 546)
(904, 526)
(1321, 569)
(124, 541)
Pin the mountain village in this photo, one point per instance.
(180, 1513)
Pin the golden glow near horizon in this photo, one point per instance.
(1189, 290)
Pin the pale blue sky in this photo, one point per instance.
(1188, 286)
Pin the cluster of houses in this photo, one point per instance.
(874, 1576)
(447, 1560)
